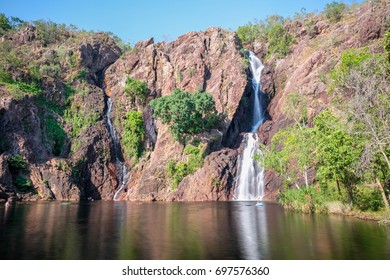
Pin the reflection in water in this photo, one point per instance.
(252, 230)
(206, 230)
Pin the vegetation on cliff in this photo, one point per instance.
(346, 146)
(186, 113)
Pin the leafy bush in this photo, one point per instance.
(133, 135)
(56, 135)
(279, 40)
(307, 200)
(350, 59)
(272, 32)
(250, 32)
(78, 118)
(387, 44)
(51, 70)
(136, 89)
(17, 162)
(186, 113)
(178, 170)
(4, 24)
(368, 199)
(334, 11)
(22, 184)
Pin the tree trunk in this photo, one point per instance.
(385, 201)
(306, 180)
(338, 186)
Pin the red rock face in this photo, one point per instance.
(313, 57)
(208, 61)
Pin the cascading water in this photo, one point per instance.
(250, 183)
(122, 170)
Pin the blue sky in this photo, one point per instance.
(163, 20)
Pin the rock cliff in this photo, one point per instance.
(209, 61)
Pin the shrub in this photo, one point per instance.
(55, 134)
(136, 89)
(78, 118)
(186, 113)
(351, 58)
(51, 70)
(334, 11)
(4, 24)
(22, 184)
(17, 162)
(307, 200)
(249, 32)
(280, 40)
(368, 199)
(178, 170)
(133, 135)
(387, 44)
(272, 32)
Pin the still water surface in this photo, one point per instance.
(198, 230)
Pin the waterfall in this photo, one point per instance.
(250, 176)
(121, 168)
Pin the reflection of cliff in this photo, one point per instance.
(208, 230)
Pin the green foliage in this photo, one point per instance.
(186, 113)
(386, 44)
(8, 23)
(79, 119)
(307, 200)
(178, 170)
(51, 70)
(368, 199)
(4, 24)
(296, 108)
(81, 74)
(272, 32)
(136, 89)
(338, 151)
(17, 162)
(250, 32)
(334, 11)
(350, 59)
(133, 135)
(22, 184)
(49, 32)
(55, 134)
(279, 40)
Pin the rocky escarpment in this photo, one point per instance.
(56, 132)
(209, 61)
(313, 56)
(54, 139)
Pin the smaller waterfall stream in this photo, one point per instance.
(121, 168)
(250, 183)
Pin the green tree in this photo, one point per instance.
(271, 32)
(338, 152)
(5, 24)
(334, 11)
(279, 40)
(133, 135)
(136, 89)
(186, 113)
(367, 86)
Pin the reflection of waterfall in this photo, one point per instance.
(250, 183)
(252, 231)
(121, 168)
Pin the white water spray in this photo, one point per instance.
(122, 169)
(250, 179)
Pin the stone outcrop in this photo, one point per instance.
(83, 168)
(312, 58)
(209, 61)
